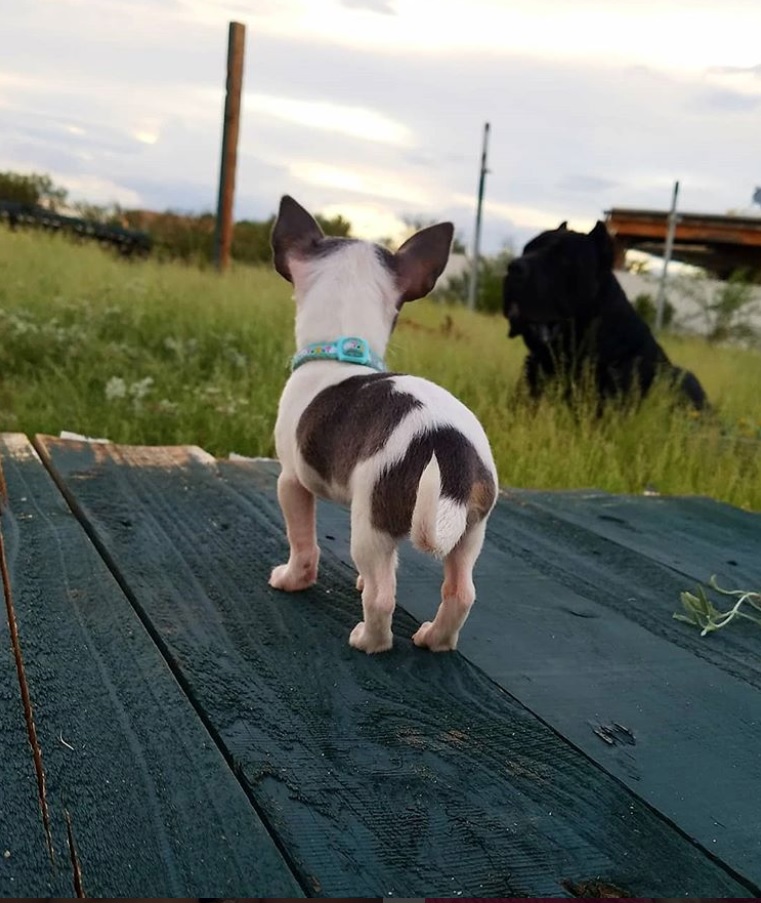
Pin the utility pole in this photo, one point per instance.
(473, 286)
(224, 228)
(661, 300)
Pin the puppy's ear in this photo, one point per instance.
(294, 233)
(563, 226)
(421, 260)
(603, 245)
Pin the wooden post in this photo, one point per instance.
(224, 230)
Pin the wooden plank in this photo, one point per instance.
(695, 536)
(406, 773)
(580, 630)
(25, 866)
(140, 800)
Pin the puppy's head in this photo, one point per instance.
(557, 278)
(357, 285)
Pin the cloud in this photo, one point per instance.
(736, 70)
(585, 183)
(385, 7)
(724, 101)
(339, 119)
(350, 115)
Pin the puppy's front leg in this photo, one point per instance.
(298, 506)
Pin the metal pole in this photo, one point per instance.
(661, 300)
(473, 286)
(224, 228)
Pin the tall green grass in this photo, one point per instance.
(166, 354)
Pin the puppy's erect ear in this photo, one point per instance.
(563, 226)
(295, 233)
(603, 245)
(421, 260)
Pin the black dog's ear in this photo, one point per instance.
(421, 260)
(295, 232)
(603, 245)
(563, 226)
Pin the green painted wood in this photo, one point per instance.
(403, 774)
(132, 775)
(25, 867)
(580, 630)
(695, 536)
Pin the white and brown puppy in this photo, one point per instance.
(408, 457)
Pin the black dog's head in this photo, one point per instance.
(557, 279)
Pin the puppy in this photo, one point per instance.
(562, 297)
(405, 455)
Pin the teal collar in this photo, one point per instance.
(348, 349)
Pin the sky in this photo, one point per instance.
(375, 109)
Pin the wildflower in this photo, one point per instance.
(115, 388)
(138, 390)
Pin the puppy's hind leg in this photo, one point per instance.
(457, 594)
(374, 555)
(298, 506)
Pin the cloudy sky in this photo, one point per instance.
(375, 108)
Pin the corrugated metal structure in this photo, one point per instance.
(719, 244)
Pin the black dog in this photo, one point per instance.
(561, 296)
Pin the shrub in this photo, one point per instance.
(645, 307)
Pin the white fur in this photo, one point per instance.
(351, 292)
(437, 523)
(355, 296)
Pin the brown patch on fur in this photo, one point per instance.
(461, 468)
(481, 500)
(350, 422)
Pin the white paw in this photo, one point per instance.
(291, 580)
(360, 639)
(360, 582)
(426, 638)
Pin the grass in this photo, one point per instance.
(150, 353)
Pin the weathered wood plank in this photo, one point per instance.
(25, 866)
(405, 773)
(628, 581)
(134, 780)
(580, 630)
(694, 536)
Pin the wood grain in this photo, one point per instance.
(580, 630)
(135, 786)
(25, 865)
(405, 774)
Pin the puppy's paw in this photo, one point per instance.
(361, 639)
(291, 579)
(360, 582)
(426, 638)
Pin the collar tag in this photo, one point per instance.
(347, 349)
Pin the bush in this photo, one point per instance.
(176, 236)
(491, 275)
(645, 307)
(727, 310)
(35, 188)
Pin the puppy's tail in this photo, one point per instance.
(437, 523)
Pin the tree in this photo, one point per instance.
(491, 276)
(336, 226)
(414, 224)
(35, 188)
